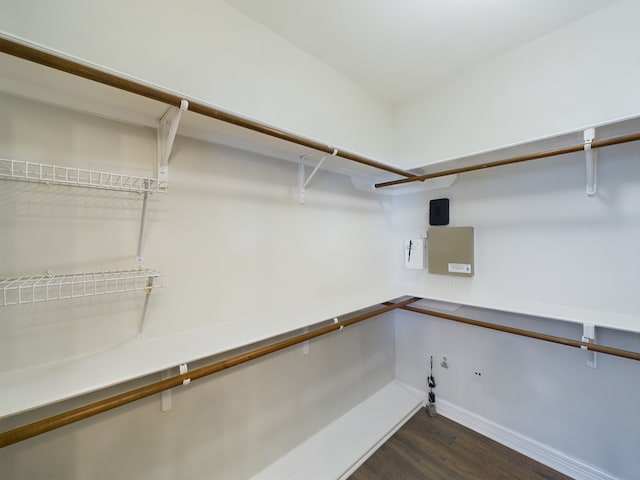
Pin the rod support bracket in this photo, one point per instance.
(148, 289)
(166, 396)
(589, 336)
(167, 129)
(184, 369)
(591, 161)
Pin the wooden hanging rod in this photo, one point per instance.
(65, 418)
(68, 65)
(631, 137)
(528, 333)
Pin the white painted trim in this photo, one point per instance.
(540, 452)
(624, 322)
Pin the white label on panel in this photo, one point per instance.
(459, 268)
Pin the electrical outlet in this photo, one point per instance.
(478, 375)
(444, 363)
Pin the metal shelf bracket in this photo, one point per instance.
(183, 369)
(166, 397)
(167, 129)
(143, 218)
(166, 135)
(589, 336)
(591, 161)
(148, 290)
(302, 182)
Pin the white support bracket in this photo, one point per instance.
(591, 159)
(166, 135)
(167, 129)
(183, 370)
(302, 182)
(335, 321)
(166, 397)
(589, 336)
(145, 307)
(143, 218)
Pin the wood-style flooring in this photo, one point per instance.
(436, 448)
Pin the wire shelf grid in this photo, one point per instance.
(54, 174)
(46, 288)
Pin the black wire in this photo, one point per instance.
(431, 381)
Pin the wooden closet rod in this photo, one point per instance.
(67, 65)
(528, 333)
(631, 137)
(65, 418)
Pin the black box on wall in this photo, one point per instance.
(439, 211)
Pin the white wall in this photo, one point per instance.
(230, 235)
(208, 50)
(579, 76)
(234, 243)
(542, 247)
(583, 418)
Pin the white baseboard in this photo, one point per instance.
(340, 448)
(540, 452)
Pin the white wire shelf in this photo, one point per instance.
(46, 288)
(79, 177)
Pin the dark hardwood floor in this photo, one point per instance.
(436, 448)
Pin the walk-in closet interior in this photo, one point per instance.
(238, 237)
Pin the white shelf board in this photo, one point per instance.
(565, 313)
(29, 80)
(41, 385)
(204, 128)
(613, 128)
(32, 81)
(336, 450)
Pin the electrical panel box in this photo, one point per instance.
(414, 253)
(451, 251)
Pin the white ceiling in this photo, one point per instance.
(397, 48)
